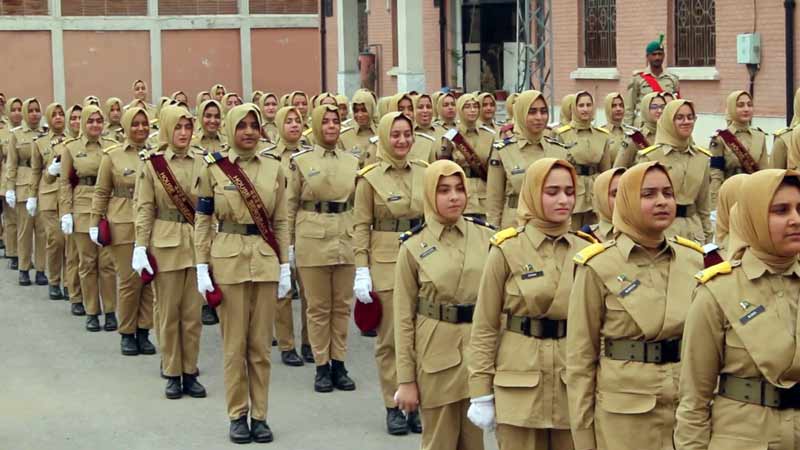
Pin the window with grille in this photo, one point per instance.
(196, 7)
(695, 33)
(600, 33)
(103, 7)
(23, 7)
(284, 6)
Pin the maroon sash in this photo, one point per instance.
(638, 138)
(173, 188)
(745, 159)
(470, 156)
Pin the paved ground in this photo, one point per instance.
(67, 389)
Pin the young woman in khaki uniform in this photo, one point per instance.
(650, 109)
(299, 100)
(512, 156)
(423, 117)
(218, 91)
(488, 106)
(113, 111)
(140, 93)
(782, 140)
(209, 137)
(268, 105)
(18, 193)
(605, 191)
(163, 231)
(436, 286)
(724, 162)
(45, 190)
(626, 313)
(358, 139)
(321, 190)
(424, 147)
(566, 114)
(728, 195)
(688, 168)
(518, 345)
(9, 212)
(614, 107)
(251, 274)
(98, 276)
(72, 280)
(446, 112)
(113, 200)
(739, 380)
(201, 97)
(388, 202)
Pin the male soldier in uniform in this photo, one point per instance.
(652, 79)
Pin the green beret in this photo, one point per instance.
(656, 45)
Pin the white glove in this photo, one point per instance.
(11, 198)
(140, 261)
(54, 169)
(94, 232)
(285, 283)
(204, 284)
(30, 205)
(66, 224)
(481, 412)
(363, 285)
(292, 262)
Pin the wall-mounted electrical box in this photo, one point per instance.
(748, 48)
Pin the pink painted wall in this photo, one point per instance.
(27, 65)
(287, 59)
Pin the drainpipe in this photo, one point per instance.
(443, 42)
(788, 6)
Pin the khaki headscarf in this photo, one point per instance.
(627, 217)
(25, 106)
(462, 118)
(201, 110)
(263, 99)
(236, 115)
(608, 102)
(435, 101)
(108, 104)
(394, 102)
(175, 95)
(437, 170)
(667, 134)
(511, 100)
(385, 150)
(343, 100)
(280, 121)
(530, 209)
(730, 108)
(9, 104)
(566, 109)
(67, 130)
(91, 100)
(440, 104)
(127, 120)
(322, 96)
(294, 94)
(796, 116)
(644, 112)
(728, 193)
(600, 190)
(255, 97)
(521, 107)
(366, 99)
(224, 102)
(214, 88)
(750, 219)
(383, 106)
(316, 124)
(576, 122)
(169, 118)
(87, 112)
(48, 114)
(199, 100)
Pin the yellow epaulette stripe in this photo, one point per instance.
(688, 243)
(420, 162)
(781, 131)
(307, 132)
(583, 256)
(702, 150)
(601, 129)
(722, 268)
(502, 235)
(366, 169)
(563, 129)
(586, 237)
(647, 150)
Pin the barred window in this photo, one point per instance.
(196, 7)
(284, 6)
(600, 33)
(23, 7)
(103, 7)
(695, 33)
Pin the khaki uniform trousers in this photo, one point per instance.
(55, 246)
(178, 322)
(329, 293)
(246, 316)
(96, 267)
(10, 229)
(510, 437)
(135, 300)
(72, 279)
(384, 350)
(284, 319)
(27, 227)
(447, 428)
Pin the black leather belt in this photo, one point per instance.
(470, 173)
(512, 201)
(87, 181)
(247, 229)
(123, 192)
(326, 207)
(24, 163)
(446, 312)
(538, 328)
(659, 352)
(584, 170)
(759, 392)
(684, 210)
(171, 216)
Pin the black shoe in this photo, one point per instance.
(128, 345)
(240, 432)
(396, 423)
(24, 278)
(55, 293)
(192, 387)
(209, 316)
(111, 322)
(291, 358)
(339, 377)
(414, 423)
(322, 380)
(66, 293)
(260, 431)
(2, 245)
(274, 342)
(308, 354)
(173, 390)
(14, 263)
(92, 323)
(143, 342)
(370, 333)
(41, 279)
(77, 309)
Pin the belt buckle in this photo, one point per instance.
(525, 326)
(449, 313)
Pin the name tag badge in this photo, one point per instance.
(81, 155)
(394, 197)
(128, 172)
(535, 274)
(229, 187)
(752, 314)
(629, 288)
(312, 173)
(517, 171)
(427, 252)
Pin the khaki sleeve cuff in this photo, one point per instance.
(480, 388)
(584, 439)
(362, 260)
(406, 375)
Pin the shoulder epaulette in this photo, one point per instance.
(16, 128)
(374, 139)
(200, 149)
(213, 157)
(480, 222)
(301, 152)
(502, 235)
(781, 131)
(600, 129)
(759, 129)
(563, 129)
(406, 235)
(345, 129)
(269, 149)
(271, 156)
(420, 162)
(583, 256)
(366, 169)
(108, 150)
(554, 141)
(586, 237)
(153, 134)
(688, 243)
(722, 268)
(499, 145)
(69, 140)
(489, 129)
(425, 135)
(702, 150)
(307, 132)
(647, 150)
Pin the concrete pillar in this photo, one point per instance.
(245, 48)
(347, 78)
(57, 53)
(410, 50)
(155, 51)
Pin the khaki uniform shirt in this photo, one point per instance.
(753, 139)
(784, 155)
(20, 154)
(441, 264)
(480, 139)
(359, 142)
(114, 192)
(690, 174)
(45, 188)
(616, 135)
(424, 149)
(628, 149)
(5, 138)
(719, 340)
(321, 175)
(83, 157)
(589, 152)
(528, 275)
(638, 88)
(271, 129)
(237, 258)
(114, 132)
(210, 144)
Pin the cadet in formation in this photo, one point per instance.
(652, 79)
(728, 195)
(604, 195)
(638, 139)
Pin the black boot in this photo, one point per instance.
(77, 309)
(370, 333)
(41, 279)
(308, 354)
(322, 380)
(14, 263)
(111, 322)
(92, 323)
(2, 245)
(414, 423)
(24, 278)
(66, 293)
(260, 431)
(339, 377)
(274, 342)
(143, 342)
(192, 387)
(396, 423)
(173, 390)
(291, 358)
(209, 316)
(128, 345)
(54, 292)
(239, 432)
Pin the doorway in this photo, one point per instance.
(488, 29)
